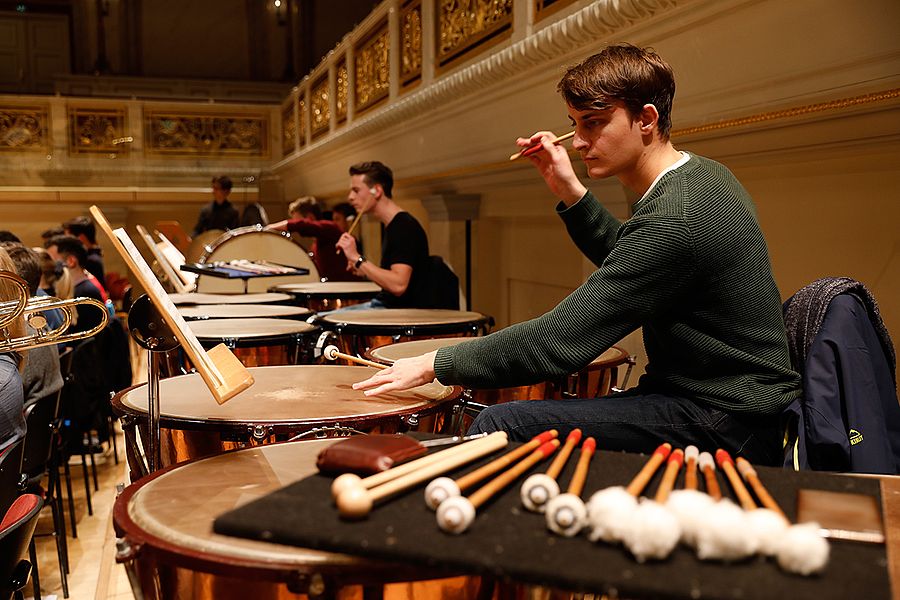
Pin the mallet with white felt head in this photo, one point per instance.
(539, 488)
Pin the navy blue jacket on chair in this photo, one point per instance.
(848, 419)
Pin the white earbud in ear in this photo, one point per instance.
(372, 191)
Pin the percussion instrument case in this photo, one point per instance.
(507, 542)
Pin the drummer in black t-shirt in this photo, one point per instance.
(404, 249)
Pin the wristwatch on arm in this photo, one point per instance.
(359, 262)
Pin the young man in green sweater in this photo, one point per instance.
(690, 266)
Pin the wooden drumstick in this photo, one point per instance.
(671, 474)
(357, 502)
(535, 148)
(641, 480)
(456, 514)
(332, 353)
(351, 480)
(566, 513)
(443, 487)
(749, 474)
(576, 486)
(353, 226)
(690, 467)
(723, 459)
(708, 468)
(539, 488)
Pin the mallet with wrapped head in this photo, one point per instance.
(566, 513)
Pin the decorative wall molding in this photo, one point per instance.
(595, 21)
(25, 128)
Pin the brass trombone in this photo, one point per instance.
(30, 308)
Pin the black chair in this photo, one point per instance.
(16, 531)
(40, 457)
(10, 467)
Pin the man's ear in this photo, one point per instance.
(648, 118)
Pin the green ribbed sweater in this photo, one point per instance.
(691, 267)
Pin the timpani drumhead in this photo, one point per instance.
(330, 289)
(212, 330)
(398, 318)
(180, 505)
(390, 353)
(244, 311)
(285, 394)
(198, 298)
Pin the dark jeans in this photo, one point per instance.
(640, 423)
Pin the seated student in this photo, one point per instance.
(402, 273)
(690, 266)
(72, 254)
(306, 220)
(83, 228)
(41, 375)
(12, 397)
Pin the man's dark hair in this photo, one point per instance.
(69, 245)
(9, 236)
(344, 208)
(307, 205)
(375, 172)
(224, 182)
(51, 233)
(26, 264)
(81, 225)
(634, 76)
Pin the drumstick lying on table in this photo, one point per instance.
(357, 502)
(539, 488)
(454, 515)
(708, 467)
(443, 487)
(332, 353)
(567, 513)
(352, 480)
(535, 148)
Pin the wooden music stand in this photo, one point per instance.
(176, 258)
(163, 262)
(174, 232)
(222, 372)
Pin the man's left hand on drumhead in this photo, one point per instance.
(404, 374)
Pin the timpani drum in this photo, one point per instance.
(282, 403)
(598, 378)
(389, 353)
(199, 244)
(164, 524)
(260, 342)
(244, 311)
(359, 330)
(329, 295)
(255, 243)
(197, 299)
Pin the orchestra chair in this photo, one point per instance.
(10, 467)
(16, 531)
(848, 417)
(40, 457)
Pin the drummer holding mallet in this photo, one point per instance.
(690, 267)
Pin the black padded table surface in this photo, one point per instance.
(508, 542)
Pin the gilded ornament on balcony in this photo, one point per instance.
(320, 111)
(411, 42)
(341, 90)
(372, 71)
(465, 24)
(288, 130)
(95, 130)
(542, 8)
(301, 119)
(24, 129)
(206, 134)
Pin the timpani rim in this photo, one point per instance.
(225, 558)
(216, 330)
(426, 345)
(403, 317)
(200, 312)
(329, 289)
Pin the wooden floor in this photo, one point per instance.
(94, 573)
